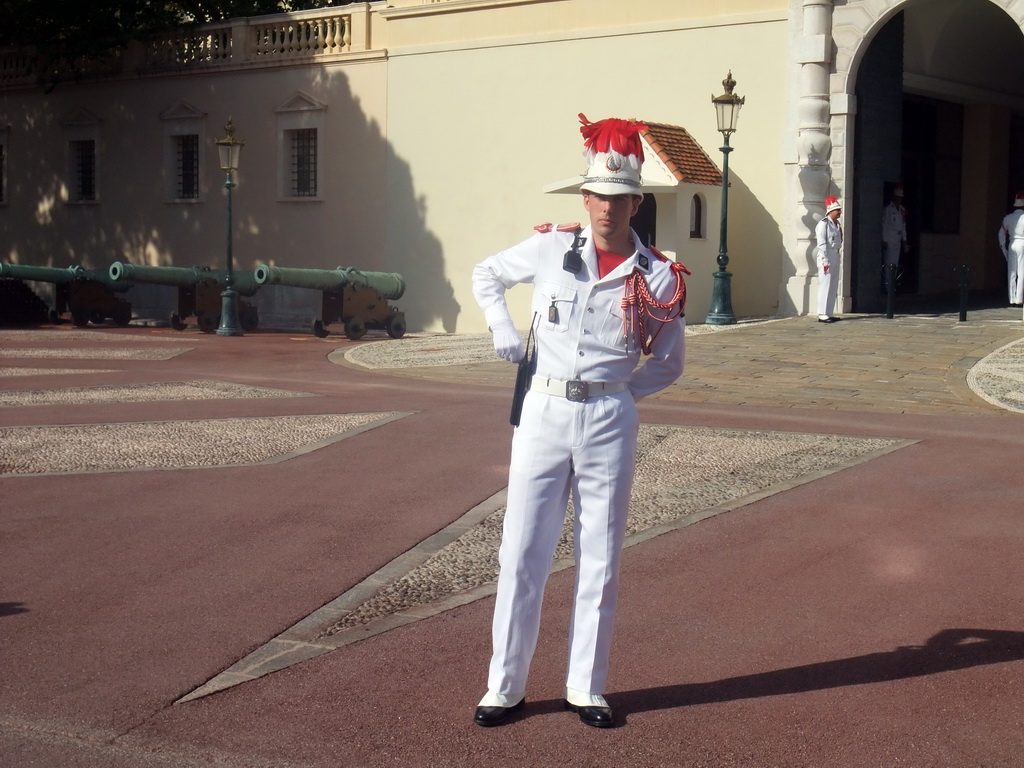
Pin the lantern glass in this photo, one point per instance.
(727, 106)
(728, 113)
(229, 154)
(230, 149)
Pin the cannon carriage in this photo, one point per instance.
(88, 295)
(199, 292)
(356, 299)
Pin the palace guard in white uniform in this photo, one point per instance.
(1011, 243)
(894, 233)
(829, 235)
(601, 301)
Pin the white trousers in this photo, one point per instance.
(893, 250)
(828, 284)
(588, 449)
(1014, 270)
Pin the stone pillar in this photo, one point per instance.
(808, 170)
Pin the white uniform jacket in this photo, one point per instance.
(894, 225)
(1011, 231)
(829, 235)
(584, 336)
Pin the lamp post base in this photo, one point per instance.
(229, 325)
(720, 312)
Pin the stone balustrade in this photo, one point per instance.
(276, 40)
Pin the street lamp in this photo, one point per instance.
(727, 109)
(229, 149)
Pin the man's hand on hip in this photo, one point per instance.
(507, 341)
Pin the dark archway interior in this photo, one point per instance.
(940, 109)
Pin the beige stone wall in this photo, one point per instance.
(476, 132)
(133, 221)
(441, 123)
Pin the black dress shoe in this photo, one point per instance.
(487, 716)
(599, 717)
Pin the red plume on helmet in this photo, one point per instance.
(612, 134)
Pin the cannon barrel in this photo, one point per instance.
(61, 275)
(242, 280)
(390, 285)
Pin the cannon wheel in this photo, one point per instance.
(395, 326)
(79, 317)
(177, 323)
(355, 328)
(208, 322)
(97, 317)
(318, 329)
(249, 319)
(123, 315)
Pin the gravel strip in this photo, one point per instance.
(142, 393)
(50, 371)
(48, 335)
(173, 444)
(80, 353)
(681, 471)
(999, 377)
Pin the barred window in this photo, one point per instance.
(186, 166)
(83, 170)
(303, 165)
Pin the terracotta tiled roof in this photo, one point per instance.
(683, 156)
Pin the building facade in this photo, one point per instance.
(418, 136)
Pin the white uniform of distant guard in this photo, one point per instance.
(894, 232)
(565, 442)
(1011, 243)
(829, 236)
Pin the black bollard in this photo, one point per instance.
(964, 282)
(890, 298)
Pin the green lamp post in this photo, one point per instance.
(229, 149)
(727, 109)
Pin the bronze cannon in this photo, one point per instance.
(199, 292)
(357, 299)
(87, 294)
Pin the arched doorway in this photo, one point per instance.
(645, 223)
(940, 107)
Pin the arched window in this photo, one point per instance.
(696, 217)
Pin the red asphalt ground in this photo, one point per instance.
(869, 618)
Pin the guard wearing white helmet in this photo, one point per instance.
(1011, 242)
(601, 300)
(829, 235)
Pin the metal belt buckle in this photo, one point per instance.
(577, 391)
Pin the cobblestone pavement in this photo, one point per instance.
(909, 364)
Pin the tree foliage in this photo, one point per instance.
(68, 34)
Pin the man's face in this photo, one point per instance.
(610, 214)
(834, 214)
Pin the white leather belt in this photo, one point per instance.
(576, 390)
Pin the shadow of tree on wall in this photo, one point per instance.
(133, 221)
